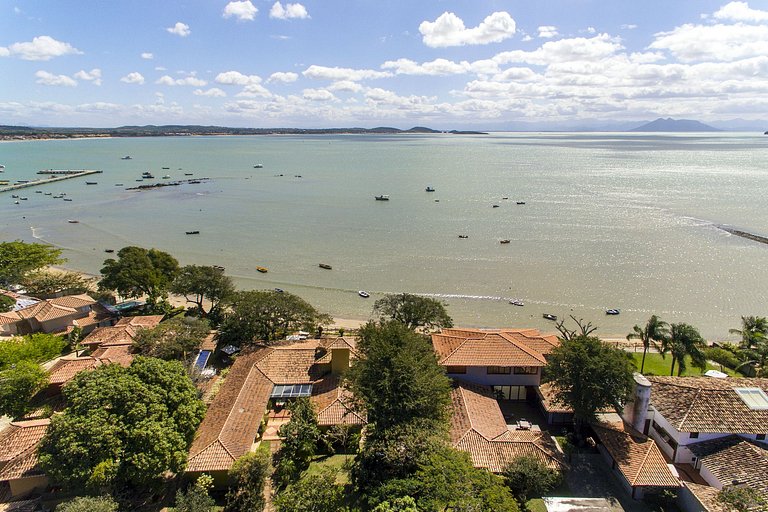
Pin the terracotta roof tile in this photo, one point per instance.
(11, 317)
(209, 343)
(115, 335)
(73, 301)
(707, 496)
(146, 321)
(492, 347)
(18, 448)
(44, 311)
(637, 457)
(65, 369)
(703, 404)
(734, 458)
(114, 354)
(333, 403)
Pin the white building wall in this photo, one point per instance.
(707, 475)
(479, 375)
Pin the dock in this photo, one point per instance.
(57, 175)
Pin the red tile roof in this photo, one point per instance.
(73, 301)
(147, 321)
(18, 448)
(734, 458)
(492, 347)
(333, 403)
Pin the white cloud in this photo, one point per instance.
(336, 74)
(449, 30)
(40, 48)
(740, 11)
(290, 11)
(133, 78)
(318, 95)
(46, 78)
(284, 77)
(253, 91)
(345, 86)
(93, 76)
(547, 31)
(526, 38)
(188, 80)
(180, 29)
(147, 56)
(237, 78)
(243, 11)
(437, 67)
(213, 92)
(629, 26)
(564, 50)
(591, 30)
(690, 43)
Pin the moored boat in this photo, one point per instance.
(612, 311)
(196, 232)
(548, 316)
(505, 241)
(109, 250)
(517, 302)
(430, 189)
(463, 236)
(258, 166)
(364, 294)
(263, 270)
(91, 182)
(71, 221)
(325, 266)
(382, 197)
(520, 202)
(126, 157)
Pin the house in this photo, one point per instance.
(56, 316)
(508, 360)
(478, 428)
(271, 375)
(18, 456)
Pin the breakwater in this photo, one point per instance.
(58, 176)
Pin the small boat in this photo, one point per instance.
(38, 191)
(505, 241)
(258, 166)
(547, 316)
(2, 167)
(495, 206)
(430, 189)
(463, 236)
(146, 174)
(15, 196)
(91, 182)
(505, 198)
(139, 179)
(48, 194)
(126, 157)
(15, 202)
(364, 294)
(24, 198)
(517, 302)
(325, 266)
(58, 197)
(279, 290)
(167, 177)
(166, 168)
(218, 267)
(297, 175)
(382, 197)
(520, 202)
(118, 184)
(612, 311)
(263, 270)
(192, 232)
(188, 173)
(109, 250)
(66, 199)
(73, 221)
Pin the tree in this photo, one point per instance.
(42, 283)
(685, 341)
(413, 311)
(249, 474)
(177, 338)
(754, 329)
(123, 427)
(313, 493)
(582, 329)
(404, 504)
(653, 335)
(590, 375)
(36, 348)
(17, 258)
(267, 315)
(199, 284)
(527, 477)
(196, 498)
(138, 272)
(18, 385)
(741, 498)
(299, 442)
(89, 504)
(397, 379)
(6, 303)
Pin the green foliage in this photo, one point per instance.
(341, 438)
(195, 498)
(89, 504)
(398, 379)
(267, 315)
(721, 356)
(249, 474)
(653, 335)
(590, 375)
(685, 340)
(413, 311)
(123, 427)
(313, 493)
(527, 477)
(299, 443)
(36, 348)
(754, 329)
(199, 284)
(404, 504)
(6, 303)
(42, 283)
(138, 271)
(741, 498)
(18, 384)
(17, 258)
(177, 338)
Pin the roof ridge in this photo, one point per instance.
(534, 353)
(690, 408)
(455, 349)
(648, 451)
(237, 398)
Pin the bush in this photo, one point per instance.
(89, 504)
(6, 303)
(249, 474)
(527, 477)
(722, 356)
(35, 348)
(196, 498)
(316, 493)
(17, 387)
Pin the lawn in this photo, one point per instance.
(334, 461)
(656, 365)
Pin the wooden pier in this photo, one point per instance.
(58, 176)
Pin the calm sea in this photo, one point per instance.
(624, 221)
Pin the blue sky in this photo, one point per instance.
(320, 63)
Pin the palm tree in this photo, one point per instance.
(685, 340)
(754, 329)
(653, 335)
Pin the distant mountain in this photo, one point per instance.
(675, 125)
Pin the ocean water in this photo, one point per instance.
(610, 220)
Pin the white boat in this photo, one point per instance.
(517, 302)
(364, 294)
(167, 177)
(612, 311)
(382, 197)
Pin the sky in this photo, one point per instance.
(446, 64)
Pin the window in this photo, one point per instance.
(499, 370)
(510, 392)
(755, 398)
(291, 390)
(760, 437)
(693, 435)
(526, 370)
(456, 369)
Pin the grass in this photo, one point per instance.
(333, 461)
(656, 365)
(536, 505)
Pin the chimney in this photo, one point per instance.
(339, 360)
(636, 410)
